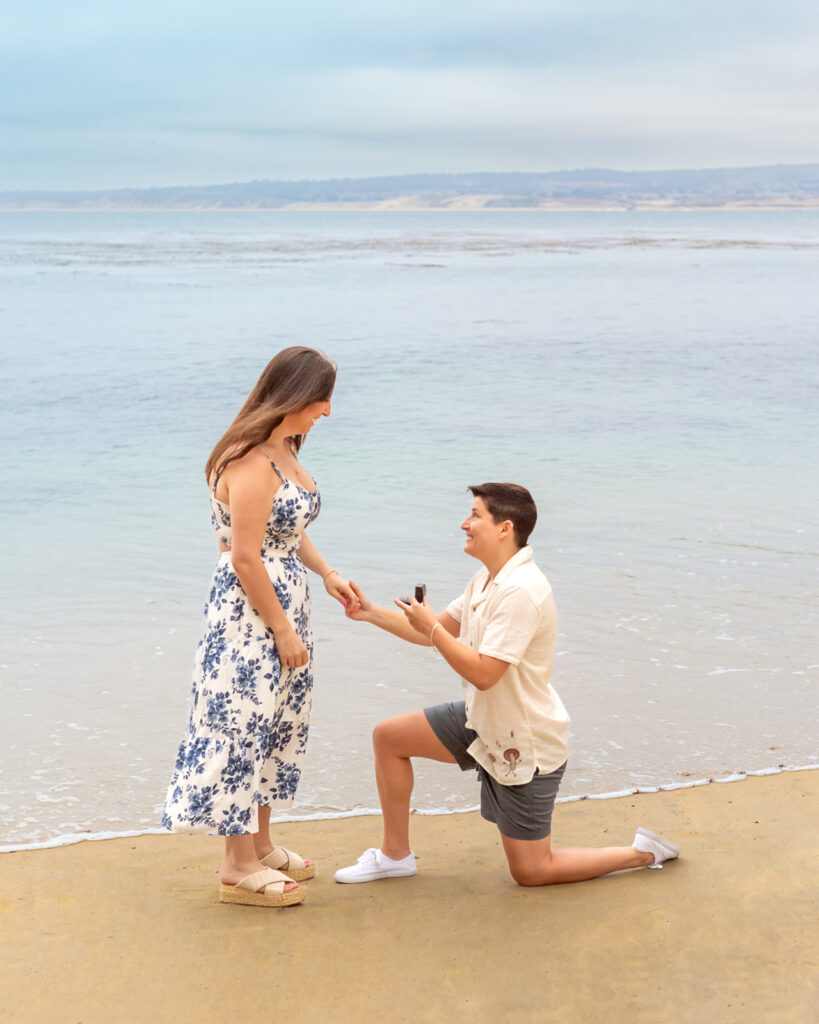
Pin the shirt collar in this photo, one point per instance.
(525, 554)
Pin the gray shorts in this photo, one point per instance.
(520, 812)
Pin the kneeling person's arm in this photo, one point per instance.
(514, 622)
(390, 621)
(481, 670)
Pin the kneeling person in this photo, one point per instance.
(499, 636)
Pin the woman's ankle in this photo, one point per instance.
(234, 869)
(263, 846)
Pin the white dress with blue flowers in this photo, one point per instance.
(247, 731)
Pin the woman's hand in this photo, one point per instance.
(420, 616)
(336, 587)
(292, 652)
(360, 606)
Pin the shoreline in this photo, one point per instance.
(132, 930)
(420, 204)
(72, 839)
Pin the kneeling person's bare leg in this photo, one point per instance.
(395, 741)
(534, 862)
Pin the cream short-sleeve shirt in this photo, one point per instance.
(520, 721)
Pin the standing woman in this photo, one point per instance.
(242, 753)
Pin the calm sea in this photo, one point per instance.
(651, 377)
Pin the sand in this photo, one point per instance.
(131, 929)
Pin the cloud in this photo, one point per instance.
(326, 89)
(359, 33)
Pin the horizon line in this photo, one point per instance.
(415, 174)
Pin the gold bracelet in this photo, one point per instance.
(330, 573)
(432, 634)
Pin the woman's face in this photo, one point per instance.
(310, 415)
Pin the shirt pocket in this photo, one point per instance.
(507, 760)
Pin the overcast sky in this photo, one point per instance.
(107, 93)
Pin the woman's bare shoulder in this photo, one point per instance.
(252, 468)
(255, 459)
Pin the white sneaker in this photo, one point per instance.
(650, 842)
(373, 864)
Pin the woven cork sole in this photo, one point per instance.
(300, 874)
(230, 894)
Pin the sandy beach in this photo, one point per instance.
(132, 930)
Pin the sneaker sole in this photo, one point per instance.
(375, 878)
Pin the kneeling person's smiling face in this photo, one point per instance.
(483, 534)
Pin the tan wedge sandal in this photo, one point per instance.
(290, 863)
(247, 892)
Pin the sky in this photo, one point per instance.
(107, 94)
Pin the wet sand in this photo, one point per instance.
(131, 929)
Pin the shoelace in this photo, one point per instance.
(372, 854)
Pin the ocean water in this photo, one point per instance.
(651, 377)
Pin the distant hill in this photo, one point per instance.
(739, 186)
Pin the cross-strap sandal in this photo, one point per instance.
(290, 863)
(247, 892)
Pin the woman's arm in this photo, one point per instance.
(251, 487)
(333, 583)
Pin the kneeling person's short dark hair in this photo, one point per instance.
(509, 501)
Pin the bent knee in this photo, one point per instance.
(386, 734)
(528, 877)
(530, 871)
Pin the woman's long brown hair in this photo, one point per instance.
(293, 379)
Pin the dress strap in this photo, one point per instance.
(276, 469)
(218, 476)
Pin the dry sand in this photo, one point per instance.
(131, 930)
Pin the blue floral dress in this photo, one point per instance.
(247, 731)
